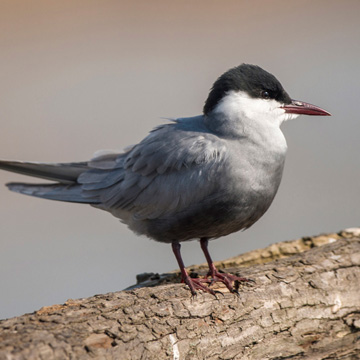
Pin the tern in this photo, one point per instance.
(201, 177)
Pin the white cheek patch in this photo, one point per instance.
(239, 105)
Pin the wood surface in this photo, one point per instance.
(305, 304)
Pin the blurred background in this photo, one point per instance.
(77, 76)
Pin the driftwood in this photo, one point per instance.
(304, 304)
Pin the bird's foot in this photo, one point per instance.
(227, 279)
(198, 284)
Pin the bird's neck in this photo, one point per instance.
(236, 126)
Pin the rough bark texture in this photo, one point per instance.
(305, 304)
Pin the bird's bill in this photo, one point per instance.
(301, 107)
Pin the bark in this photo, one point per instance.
(305, 304)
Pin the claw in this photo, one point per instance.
(219, 292)
(236, 292)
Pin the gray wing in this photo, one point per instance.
(65, 173)
(168, 171)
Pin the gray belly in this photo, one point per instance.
(211, 219)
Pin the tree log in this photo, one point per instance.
(305, 304)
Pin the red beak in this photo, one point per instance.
(301, 107)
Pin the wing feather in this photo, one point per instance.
(153, 178)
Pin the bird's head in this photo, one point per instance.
(251, 93)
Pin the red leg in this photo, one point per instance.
(225, 278)
(194, 284)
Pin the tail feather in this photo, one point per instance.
(60, 192)
(65, 173)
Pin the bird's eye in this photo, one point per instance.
(265, 94)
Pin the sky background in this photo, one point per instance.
(78, 76)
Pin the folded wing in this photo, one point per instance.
(173, 168)
(165, 173)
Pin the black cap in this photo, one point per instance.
(252, 79)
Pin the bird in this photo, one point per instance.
(200, 177)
